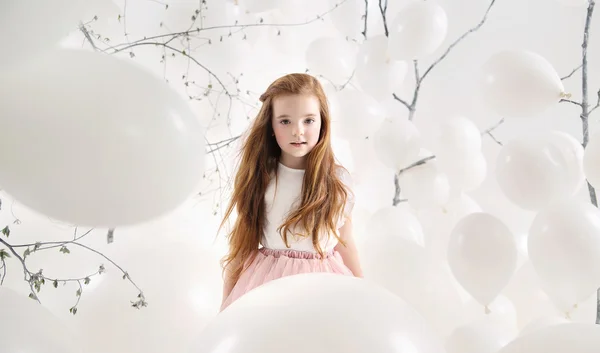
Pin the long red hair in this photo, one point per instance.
(324, 195)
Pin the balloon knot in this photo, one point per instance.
(487, 310)
(565, 95)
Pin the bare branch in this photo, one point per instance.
(87, 35)
(476, 28)
(569, 101)
(597, 103)
(365, 18)
(572, 72)
(383, 4)
(401, 101)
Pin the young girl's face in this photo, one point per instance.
(296, 122)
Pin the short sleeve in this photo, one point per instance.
(346, 179)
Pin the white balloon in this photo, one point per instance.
(575, 3)
(465, 173)
(41, 24)
(417, 31)
(181, 284)
(334, 58)
(27, 326)
(397, 221)
(542, 322)
(520, 84)
(439, 221)
(482, 254)
(532, 172)
(258, 6)
(573, 153)
(401, 266)
(482, 336)
(347, 17)
(591, 160)
(261, 320)
(572, 338)
(457, 136)
(357, 115)
(111, 145)
(376, 73)
(564, 248)
(425, 185)
(397, 142)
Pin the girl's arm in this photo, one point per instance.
(349, 252)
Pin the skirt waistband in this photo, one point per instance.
(295, 254)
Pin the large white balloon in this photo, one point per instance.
(27, 326)
(520, 84)
(482, 253)
(397, 142)
(376, 73)
(425, 185)
(417, 31)
(457, 137)
(482, 336)
(41, 25)
(398, 221)
(403, 267)
(575, 3)
(571, 337)
(532, 172)
(357, 116)
(564, 248)
(465, 173)
(573, 154)
(331, 310)
(182, 285)
(110, 145)
(332, 57)
(347, 17)
(591, 160)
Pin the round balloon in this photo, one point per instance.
(105, 144)
(564, 248)
(570, 337)
(417, 31)
(332, 57)
(397, 142)
(518, 83)
(27, 326)
(329, 310)
(532, 172)
(375, 72)
(42, 24)
(482, 253)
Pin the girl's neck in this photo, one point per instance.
(294, 163)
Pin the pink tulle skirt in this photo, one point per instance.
(272, 264)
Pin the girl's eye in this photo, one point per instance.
(310, 121)
(285, 121)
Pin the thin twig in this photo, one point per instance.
(569, 101)
(476, 28)
(26, 272)
(419, 79)
(489, 131)
(87, 36)
(572, 72)
(366, 17)
(383, 4)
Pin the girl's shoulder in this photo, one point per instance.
(344, 175)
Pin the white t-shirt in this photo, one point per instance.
(285, 196)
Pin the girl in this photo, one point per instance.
(290, 196)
